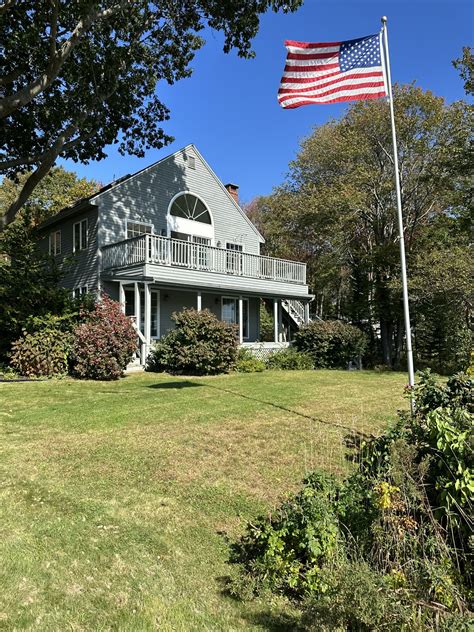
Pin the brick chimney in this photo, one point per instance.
(233, 190)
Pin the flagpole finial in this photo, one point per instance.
(384, 19)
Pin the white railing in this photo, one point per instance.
(296, 309)
(185, 254)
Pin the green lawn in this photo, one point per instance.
(117, 499)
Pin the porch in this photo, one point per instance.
(151, 306)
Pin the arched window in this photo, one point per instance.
(188, 206)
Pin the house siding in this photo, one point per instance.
(146, 197)
(80, 268)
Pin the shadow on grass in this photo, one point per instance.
(174, 385)
(272, 620)
(333, 424)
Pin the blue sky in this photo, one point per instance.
(228, 108)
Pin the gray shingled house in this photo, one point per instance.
(172, 236)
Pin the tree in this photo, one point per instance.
(90, 76)
(58, 189)
(337, 208)
(29, 277)
(465, 65)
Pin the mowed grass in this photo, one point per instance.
(117, 500)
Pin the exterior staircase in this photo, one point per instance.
(295, 310)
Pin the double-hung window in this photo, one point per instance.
(80, 235)
(230, 313)
(135, 229)
(55, 243)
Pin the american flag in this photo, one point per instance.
(329, 72)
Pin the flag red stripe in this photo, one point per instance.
(305, 45)
(341, 88)
(309, 79)
(323, 82)
(352, 97)
(310, 68)
(303, 56)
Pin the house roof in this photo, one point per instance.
(88, 201)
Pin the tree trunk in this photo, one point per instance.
(386, 333)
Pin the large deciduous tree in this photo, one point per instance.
(77, 76)
(337, 209)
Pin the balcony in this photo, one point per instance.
(176, 253)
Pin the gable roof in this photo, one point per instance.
(84, 203)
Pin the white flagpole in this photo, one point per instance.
(406, 309)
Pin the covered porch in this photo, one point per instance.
(151, 305)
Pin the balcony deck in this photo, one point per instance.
(152, 250)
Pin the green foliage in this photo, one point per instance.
(59, 189)
(93, 80)
(391, 542)
(290, 360)
(248, 363)
(28, 282)
(335, 210)
(331, 343)
(103, 343)
(43, 353)
(266, 323)
(284, 551)
(200, 344)
(441, 293)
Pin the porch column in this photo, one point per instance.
(306, 313)
(147, 323)
(137, 305)
(280, 322)
(275, 320)
(122, 297)
(199, 301)
(241, 320)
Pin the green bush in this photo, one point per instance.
(290, 360)
(43, 353)
(285, 550)
(331, 343)
(248, 363)
(388, 547)
(200, 344)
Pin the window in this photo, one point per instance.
(135, 229)
(55, 243)
(230, 313)
(191, 162)
(80, 236)
(79, 291)
(234, 257)
(189, 206)
(196, 255)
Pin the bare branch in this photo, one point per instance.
(8, 4)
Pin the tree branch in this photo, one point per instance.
(20, 98)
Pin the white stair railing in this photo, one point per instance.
(295, 309)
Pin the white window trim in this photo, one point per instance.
(80, 223)
(132, 221)
(53, 244)
(234, 243)
(79, 288)
(236, 300)
(189, 226)
(158, 311)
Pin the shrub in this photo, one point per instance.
(290, 360)
(388, 547)
(248, 363)
(104, 343)
(285, 550)
(200, 344)
(331, 343)
(43, 353)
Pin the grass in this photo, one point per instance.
(117, 499)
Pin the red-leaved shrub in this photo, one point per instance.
(104, 343)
